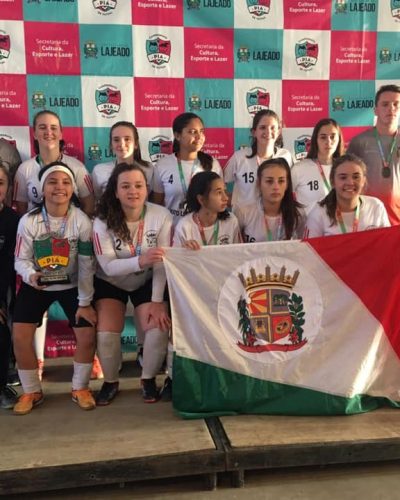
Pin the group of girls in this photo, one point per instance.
(319, 196)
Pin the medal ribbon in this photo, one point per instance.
(278, 233)
(41, 162)
(182, 177)
(385, 162)
(214, 237)
(322, 173)
(46, 221)
(136, 251)
(355, 221)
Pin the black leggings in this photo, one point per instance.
(5, 352)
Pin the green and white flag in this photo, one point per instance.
(296, 328)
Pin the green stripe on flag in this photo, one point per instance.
(201, 390)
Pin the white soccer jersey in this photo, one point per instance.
(168, 181)
(187, 229)
(114, 256)
(372, 215)
(27, 185)
(308, 183)
(252, 224)
(242, 171)
(32, 235)
(102, 171)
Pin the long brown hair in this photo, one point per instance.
(289, 206)
(137, 155)
(179, 123)
(313, 152)
(330, 200)
(109, 207)
(256, 120)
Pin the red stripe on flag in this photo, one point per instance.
(369, 264)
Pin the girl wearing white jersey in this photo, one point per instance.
(208, 221)
(124, 143)
(173, 172)
(54, 257)
(344, 209)
(48, 145)
(310, 176)
(241, 168)
(129, 234)
(275, 215)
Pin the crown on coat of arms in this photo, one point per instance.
(266, 280)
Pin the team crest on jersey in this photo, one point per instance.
(90, 49)
(258, 8)
(194, 103)
(341, 6)
(108, 100)
(104, 7)
(5, 45)
(193, 4)
(257, 98)
(302, 146)
(151, 238)
(306, 52)
(94, 152)
(271, 316)
(158, 49)
(338, 103)
(395, 8)
(243, 54)
(159, 146)
(51, 253)
(38, 100)
(385, 56)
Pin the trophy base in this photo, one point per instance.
(54, 280)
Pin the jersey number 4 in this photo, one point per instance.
(171, 179)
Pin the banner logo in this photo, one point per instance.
(158, 49)
(338, 103)
(257, 98)
(258, 8)
(271, 317)
(108, 100)
(194, 103)
(38, 100)
(395, 8)
(193, 4)
(243, 54)
(306, 52)
(385, 56)
(158, 147)
(94, 152)
(5, 45)
(90, 49)
(104, 7)
(302, 146)
(341, 6)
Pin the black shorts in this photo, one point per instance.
(105, 290)
(31, 304)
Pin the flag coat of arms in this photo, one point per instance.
(295, 327)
